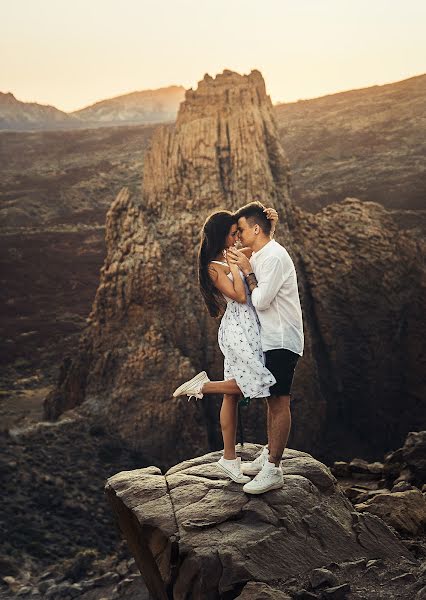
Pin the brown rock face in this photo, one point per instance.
(196, 534)
(360, 285)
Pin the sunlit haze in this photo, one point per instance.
(71, 54)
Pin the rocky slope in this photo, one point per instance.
(67, 178)
(361, 284)
(55, 190)
(367, 143)
(60, 539)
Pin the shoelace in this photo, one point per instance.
(261, 475)
(236, 469)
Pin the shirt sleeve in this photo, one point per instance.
(270, 278)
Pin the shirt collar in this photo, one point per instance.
(259, 252)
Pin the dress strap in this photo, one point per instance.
(218, 262)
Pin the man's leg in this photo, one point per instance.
(279, 425)
(270, 477)
(228, 424)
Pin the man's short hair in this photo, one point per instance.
(254, 214)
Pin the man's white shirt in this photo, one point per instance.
(276, 299)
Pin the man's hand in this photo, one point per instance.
(272, 215)
(236, 257)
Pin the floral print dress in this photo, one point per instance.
(240, 343)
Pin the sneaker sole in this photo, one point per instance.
(182, 389)
(274, 486)
(230, 474)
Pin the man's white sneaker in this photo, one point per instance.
(232, 468)
(269, 478)
(192, 387)
(253, 467)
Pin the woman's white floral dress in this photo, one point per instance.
(239, 341)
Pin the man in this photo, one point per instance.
(271, 279)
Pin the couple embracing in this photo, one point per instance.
(254, 290)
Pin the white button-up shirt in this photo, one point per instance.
(276, 299)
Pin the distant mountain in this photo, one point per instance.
(368, 143)
(148, 106)
(18, 115)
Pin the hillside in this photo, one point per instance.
(369, 143)
(147, 106)
(17, 115)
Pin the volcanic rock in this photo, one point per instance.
(260, 591)
(406, 511)
(360, 278)
(409, 462)
(196, 533)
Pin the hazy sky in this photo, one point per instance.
(71, 54)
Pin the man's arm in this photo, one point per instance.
(271, 279)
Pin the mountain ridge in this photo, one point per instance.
(89, 116)
(144, 106)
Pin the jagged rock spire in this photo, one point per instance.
(360, 278)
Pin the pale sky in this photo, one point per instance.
(71, 54)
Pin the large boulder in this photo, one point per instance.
(195, 533)
(405, 511)
(409, 462)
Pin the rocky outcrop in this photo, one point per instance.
(148, 328)
(361, 284)
(405, 511)
(363, 297)
(195, 533)
(388, 489)
(409, 462)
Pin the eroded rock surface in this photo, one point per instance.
(196, 534)
(361, 281)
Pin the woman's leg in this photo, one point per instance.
(228, 424)
(228, 387)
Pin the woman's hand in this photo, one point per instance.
(272, 215)
(238, 258)
(230, 261)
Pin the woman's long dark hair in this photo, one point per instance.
(213, 237)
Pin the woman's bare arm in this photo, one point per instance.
(232, 289)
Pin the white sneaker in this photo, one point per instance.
(192, 387)
(233, 470)
(253, 467)
(269, 478)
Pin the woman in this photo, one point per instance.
(222, 285)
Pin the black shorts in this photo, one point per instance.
(281, 363)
